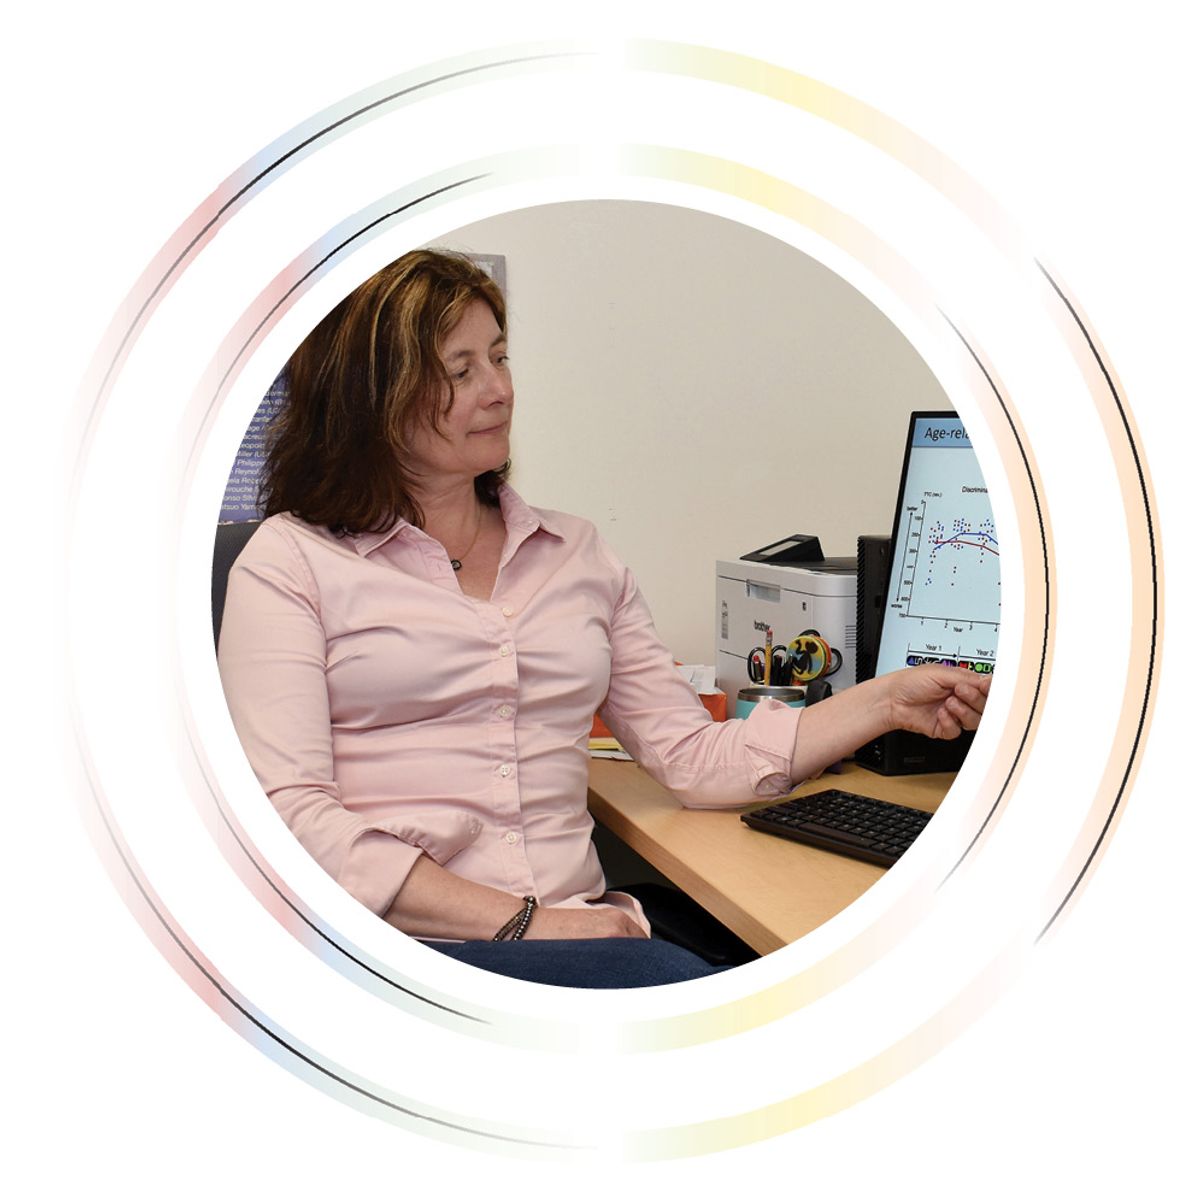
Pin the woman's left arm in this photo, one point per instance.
(660, 720)
(937, 701)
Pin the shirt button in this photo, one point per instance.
(505, 771)
(505, 650)
(504, 711)
(511, 838)
(506, 610)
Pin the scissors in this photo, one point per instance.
(756, 659)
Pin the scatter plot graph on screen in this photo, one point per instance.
(956, 569)
(943, 601)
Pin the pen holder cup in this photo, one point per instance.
(749, 696)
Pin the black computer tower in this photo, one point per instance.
(901, 752)
(873, 554)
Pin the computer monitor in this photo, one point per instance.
(943, 597)
(942, 601)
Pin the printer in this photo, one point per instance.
(791, 588)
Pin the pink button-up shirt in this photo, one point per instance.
(387, 714)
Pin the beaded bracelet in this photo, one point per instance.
(514, 929)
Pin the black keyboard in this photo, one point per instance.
(855, 825)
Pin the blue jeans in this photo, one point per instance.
(606, 962)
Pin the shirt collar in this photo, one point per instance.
(516, 512)
(519, 515)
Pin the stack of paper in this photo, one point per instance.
(607, 747)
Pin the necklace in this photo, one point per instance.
(456, 563)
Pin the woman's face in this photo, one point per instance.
(474, 428)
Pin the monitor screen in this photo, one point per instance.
(943, 597)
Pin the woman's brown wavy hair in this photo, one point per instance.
(359, 385)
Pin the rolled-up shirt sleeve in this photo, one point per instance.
(659, 719)
(272, 658)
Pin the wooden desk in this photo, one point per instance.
(770, 891)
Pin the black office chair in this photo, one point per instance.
(230, 541)
(675, 916)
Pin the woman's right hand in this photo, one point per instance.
(574, 924)
(435, 903)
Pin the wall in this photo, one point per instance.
(698, 389)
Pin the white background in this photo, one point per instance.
(121, 119)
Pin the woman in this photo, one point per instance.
(413, 656)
